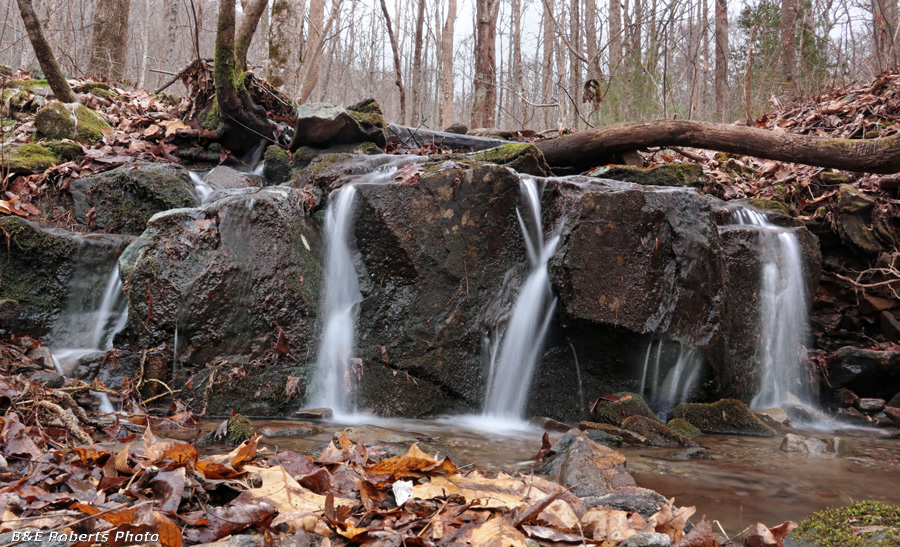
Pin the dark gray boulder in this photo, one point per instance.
(323, 125)
(125, 198)
(875, 373)
(232, 277)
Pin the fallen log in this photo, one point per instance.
(582, 151)
(411, 136)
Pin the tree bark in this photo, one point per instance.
(58, 83)
(447, 91)
(397, 69)
(245, 33)
(788, 49)
(286, 44)
(145, 44)
(721, 58)
(485, 84)
(417, 63)
(243, 122)
(109, 41)
(588, 149)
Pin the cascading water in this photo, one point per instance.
(665, 385)
(782, 311)
(512, 367)
(339, 304)
(341, 295)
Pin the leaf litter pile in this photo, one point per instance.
(58, 478)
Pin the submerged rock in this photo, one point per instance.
(588, 468)
(829, 447)
(728, 416)
(125, 198)
(237, 278)
(655, 432)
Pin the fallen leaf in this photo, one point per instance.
(497, 533)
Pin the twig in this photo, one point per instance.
(176, 77)
(68, 422)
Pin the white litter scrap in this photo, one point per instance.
(403, 490)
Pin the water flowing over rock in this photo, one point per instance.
(235, 277)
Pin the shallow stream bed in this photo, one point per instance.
(748, 479)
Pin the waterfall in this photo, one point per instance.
(512, 367)
(89, 323)
(331, 386)
(665, 385)
(782, 311)
(341, 295)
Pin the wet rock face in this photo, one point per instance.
(876, 373)
(588, 469)
(229, 276)
(125, 198)
(38, 269)
(433, 256)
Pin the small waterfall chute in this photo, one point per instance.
(783, 305)
(513, 361)
(669, 378)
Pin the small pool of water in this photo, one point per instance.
(748, 479)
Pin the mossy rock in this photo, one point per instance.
(87, 87)
(667, 174)
(71, 121)
(304, 155)
(684, 428)
(27, 158)
(126, 197)
(5, 71)
(323, 125)
(854, 230)
(276, 165)
(523, 157)
(16, 98)
(852, 201)
(103, 93)
(614, 413)
(841, 527)
(27, 84)
(773, 205)
(728, 416)
(65, 150)
(657, 434)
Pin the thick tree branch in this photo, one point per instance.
(596, 147)
(249, 23)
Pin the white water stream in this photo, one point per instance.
(782, 312)
(664, 384)
(511, 369)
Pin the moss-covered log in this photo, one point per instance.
(587, 149)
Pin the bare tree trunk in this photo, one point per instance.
(485, 82)
(597, 146)
(58, 83)
(518, 81)
(590, 34)
(884, 24)
(547, 62)
(721, 58)
(417, 63)
(109, 44)
(145, 43)
(615, 56)
(447, 92)
(286, 44)
(252, 14)
(788, 49)
(172, 29)
(397, 72)
(575, 78)
(312, 59)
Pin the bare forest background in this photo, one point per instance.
(509, 64)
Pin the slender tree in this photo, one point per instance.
(397, 67)
(286, 44)
(58, 83)
(253, 10)
(788, 47)
(485, 82)
(721, 58)
(447, 91)
(417, 63)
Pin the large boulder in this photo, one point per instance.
(49, 271)
(323, 125)
(728, 416)
(872, 372)
(237, 279)
(666, 174)
(125, 198)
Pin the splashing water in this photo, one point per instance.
(782, 312)
(512, 368)
(663, 385)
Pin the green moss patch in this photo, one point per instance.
(656, 433)
(684, 428)
(615, 412)
(668, 174)
(71, 121)
(523, 157)
(65, 150)
(276, 165)
(773, 205)
(27, 158)
(841, 526)
(728, 416)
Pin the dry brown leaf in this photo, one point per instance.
(413, 463)
(284, 493)
(169, 533)
(497, 533)
(607, 524)
(499, 493)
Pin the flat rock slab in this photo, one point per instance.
(314, 414)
